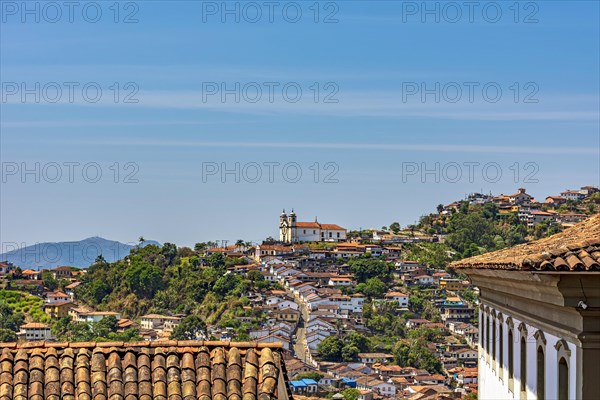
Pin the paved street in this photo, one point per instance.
(300, 343)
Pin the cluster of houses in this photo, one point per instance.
(376, 377)
(312, 300)
(58, 304)
(529, 210)
(314, 305)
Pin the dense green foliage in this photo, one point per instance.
(336, 348)
(471, 230)
(351, 394)
(384, 320)
(190, 328)
(103, 331)
(168, 280)
(309, 375)
(367, 267)
(415, 353)
(24, 304)
(9, 323)
(163, 280)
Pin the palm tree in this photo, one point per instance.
(141, 241)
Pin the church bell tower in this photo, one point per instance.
(292, 223)
(283, 227)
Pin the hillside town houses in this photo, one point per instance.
(312, 297)
(531, 211)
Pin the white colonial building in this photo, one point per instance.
(292, 231)
(539, 317)
(35, 331)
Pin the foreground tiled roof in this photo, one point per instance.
(181, 370)
(574, 249)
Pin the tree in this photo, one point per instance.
(395, 227)
(169, 250)
(416, 354)
(374, 288)
(80, 332)
(62, 326)
(200, 247)
(367, 267)
(309, 375)
(358, 340)
(143, 279)
(100, 260)
(330, 348)
(190, 328)
(440, 208)
(350, 353)
(141, 241)
(10, 320)
(351, 394)
(105, 326)
(49, 281)
(428, 334)
(6, 335)
(216, 260)
(226, 284)
(472, 228)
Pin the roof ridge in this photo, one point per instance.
(159, 343)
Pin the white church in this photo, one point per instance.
(292, 231)
(539, 317)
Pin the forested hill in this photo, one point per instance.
(167, 280)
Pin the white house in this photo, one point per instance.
(36, 331)
(372, 358)
(376, 385)
(538, 316)
(97, 316)
(340, 281)
(319, 324)
(465, 354)
(350, 303)
(535, 217)
(5, 268)
(399, 297)
(467, 377)
(57, 297)
(159, 322)
(275, 339)
(573, 195)
(287, 304)
(520, 197)
(423, 280)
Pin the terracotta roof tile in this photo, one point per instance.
(574, 249)
(182, 370)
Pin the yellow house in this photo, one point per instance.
(288, 315)
(452, 284)
(58, 310)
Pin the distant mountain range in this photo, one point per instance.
(76, 254)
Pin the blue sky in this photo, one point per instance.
(375, 62)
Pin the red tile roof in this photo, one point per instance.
(143, 370)
(318, 225)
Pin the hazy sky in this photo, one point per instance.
(159, 97)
